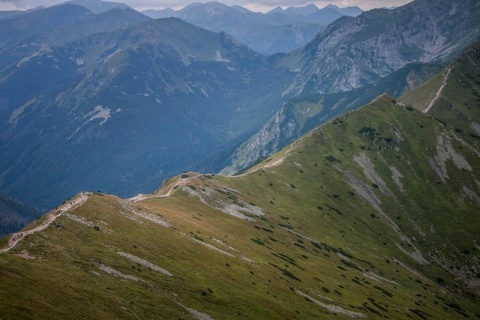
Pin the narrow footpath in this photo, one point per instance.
(15, 238)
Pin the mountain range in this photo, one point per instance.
(371, 215)
(117, 102)
(355, 59)
(297, 116)
(380, 41)
(274, 32)
(96, 6)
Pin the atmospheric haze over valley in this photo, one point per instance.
(211, 161)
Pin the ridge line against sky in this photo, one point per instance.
(253, 5)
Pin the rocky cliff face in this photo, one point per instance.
(353, 52)
(261, 144)
(357, 59)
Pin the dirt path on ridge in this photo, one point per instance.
(183, 181)
(267, 165)
(437, 95)
(15, 238)
(142, 196)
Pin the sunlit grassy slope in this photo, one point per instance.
(373, 215)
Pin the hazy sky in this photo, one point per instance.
(254, 5)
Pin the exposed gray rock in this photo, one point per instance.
(446, 152)
(352, 52)
(369, 170)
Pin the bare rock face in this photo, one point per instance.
(352, 52)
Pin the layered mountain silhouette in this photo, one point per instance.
(370, 215)
(117, 102)
(159, 96)
(26, 34)
(276, 31)
(359, 189)
(97, 6)
(355, 59)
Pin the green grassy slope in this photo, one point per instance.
(457, 103)
(374, 214)
(299, 115)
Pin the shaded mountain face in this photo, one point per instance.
(35, 30)
(37, 22)
(15, 215)
(301, 11)
(311, 10)
(274, 39)
(352, 52)
(328, 15)
(371, 215)
(133, 105)
(157, 14)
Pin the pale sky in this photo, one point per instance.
(253, 5)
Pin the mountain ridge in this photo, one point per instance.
(354, 56)
(258, 30)
(185, 75)
(145, 100)
(352, 52)
(299, 115)
(97, 6)
(78, 24)
(353, 220)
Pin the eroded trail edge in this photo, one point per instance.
(437, 95)
(74, 203)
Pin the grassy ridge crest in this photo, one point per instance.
(374, 214)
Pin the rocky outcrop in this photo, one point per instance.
(352, 52)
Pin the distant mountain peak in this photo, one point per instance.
(277, 9)
(98, 6)
(303, 11)
(156, 14)
(352, 11)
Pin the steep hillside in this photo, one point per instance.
(120, 111)
(352, 52)
(374, 214)
(453, 95)
(297, 116)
